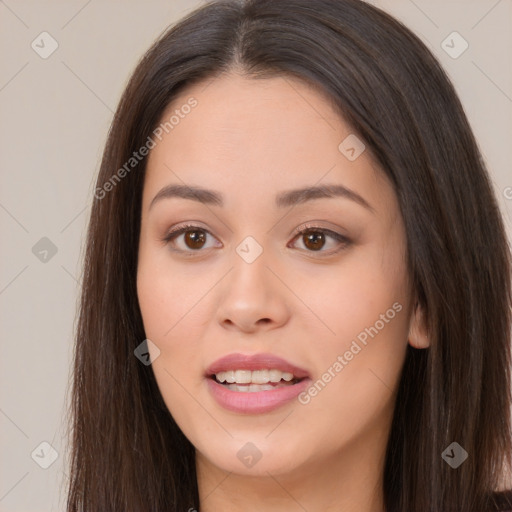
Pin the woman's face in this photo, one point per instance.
(333, 303)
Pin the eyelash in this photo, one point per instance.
(305, 228)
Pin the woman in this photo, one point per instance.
(297, 283)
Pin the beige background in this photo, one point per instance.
(55, 114)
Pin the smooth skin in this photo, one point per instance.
(304, 299)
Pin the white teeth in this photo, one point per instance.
(254, 377)
(243, 376)
(260, 377)
(253, 388)
(275, 375)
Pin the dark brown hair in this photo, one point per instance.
(127, 453)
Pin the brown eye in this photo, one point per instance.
(314, 240)
(188, 238)
(194, 239)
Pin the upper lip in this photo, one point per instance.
(262, 361)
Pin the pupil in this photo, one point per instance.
(314, 238)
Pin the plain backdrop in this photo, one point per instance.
(55, 111)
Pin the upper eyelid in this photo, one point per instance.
(302, 228)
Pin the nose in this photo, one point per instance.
(253, 297)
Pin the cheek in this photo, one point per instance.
(365, 292)
(169, 297)
(176, 307)
(172, 322)
(359, 362)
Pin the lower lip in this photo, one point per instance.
(258, 401)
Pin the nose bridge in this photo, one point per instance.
(251, 250)
(250, 261)
(252, 292)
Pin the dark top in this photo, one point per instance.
(503, 500)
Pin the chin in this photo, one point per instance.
(253, 459)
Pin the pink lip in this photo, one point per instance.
(254, 362)
(259, 401)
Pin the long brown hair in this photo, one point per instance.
(127, 453)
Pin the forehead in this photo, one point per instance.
(245, 134)
(232, 109)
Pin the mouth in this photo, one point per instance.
(256, 383)
(253, 381)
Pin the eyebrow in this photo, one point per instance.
(283, 199)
